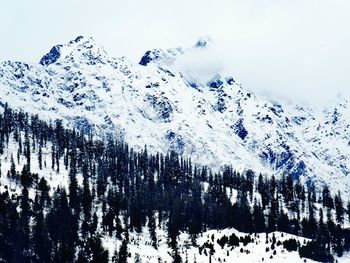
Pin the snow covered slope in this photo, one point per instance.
(152, 103)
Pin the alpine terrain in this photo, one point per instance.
(105, 160)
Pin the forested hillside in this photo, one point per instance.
(66, 196)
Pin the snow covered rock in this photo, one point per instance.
(152, 103)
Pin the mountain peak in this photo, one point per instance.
(79, 38)
(81, 48)
(202, 42)
(165, 56)
(52, 56)
(168, 56)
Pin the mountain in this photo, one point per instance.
(153, 103)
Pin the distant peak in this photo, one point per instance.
(164, 56)
(203, 42)
(52, 56)
(148, 57)
(82, 40)
(169, 55)
(75, 47)
(77, 39)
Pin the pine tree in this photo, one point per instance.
(99, 254)
(339, 248)
(177, 258)
(283, 222)
(173, 223)
(27, 149)
(123, 252)
(41, 239)
(43, 189)
(290, 188)
(86, 199)
(330, 223)
(53, 157)
(13, 168)
(258, 217)
(23, 237)
(73, 190)
(62, 227)
(327, 198)
(272, 186)
(195, 216)
(273, 215)
(108, 221)
(152, 230)
(57, 160)
(26, 176)
(339, 208)
(40, 158)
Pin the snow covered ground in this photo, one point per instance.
(251, 253)
(55, 179)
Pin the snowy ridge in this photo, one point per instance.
(153, 104)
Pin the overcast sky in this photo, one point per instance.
(295, 49)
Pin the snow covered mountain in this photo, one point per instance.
(152, 103)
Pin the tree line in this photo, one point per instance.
(124, 190)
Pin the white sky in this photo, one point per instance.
(295, 49)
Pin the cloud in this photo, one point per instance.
(200, 64)
(294, 49)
